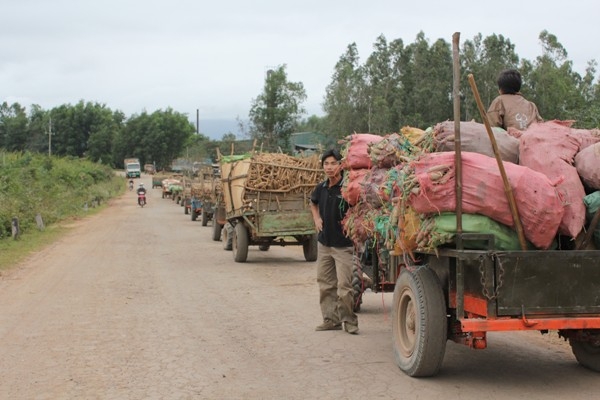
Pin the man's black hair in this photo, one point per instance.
(331, 153)
(509, 81)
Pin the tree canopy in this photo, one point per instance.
(398, 84)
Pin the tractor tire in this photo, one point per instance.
(587, 353)
(240, 243)
(419, 322)
(310, 248)
(217, 228)
(358, 286)
(204, 218)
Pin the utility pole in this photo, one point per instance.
(50, 133)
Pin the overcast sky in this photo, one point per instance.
(212, 56)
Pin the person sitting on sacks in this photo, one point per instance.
(510, 108)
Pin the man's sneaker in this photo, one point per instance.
(329, 325)
(350, 328)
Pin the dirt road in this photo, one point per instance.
(142, 304)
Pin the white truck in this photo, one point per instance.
(132, 168)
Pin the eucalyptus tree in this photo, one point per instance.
(275, 113)
(382, 81)
(345, 102)
(426, 82)
(158, 138)
(38, 130)
(553, 84)
(484, 58)
(13, 127)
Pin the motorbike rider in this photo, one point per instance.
(131, 184)
(141, 190)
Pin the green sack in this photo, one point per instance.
(592, 203)
(505, 238)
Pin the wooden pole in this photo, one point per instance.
(457, 141)
(507, 188)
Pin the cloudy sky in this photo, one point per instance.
(212, 56)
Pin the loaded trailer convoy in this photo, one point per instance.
(266, 201)
(472, 243)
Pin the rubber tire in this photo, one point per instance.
(419, 322)
(216, 236)
(310, 248)
(240, 243)
(227, 239)
(587, 354)
(194, 215)
(357, 285)
(264, 247)
(204, 218)
(186, 211)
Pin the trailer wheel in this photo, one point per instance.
(419, 322)
(216, 236)
(204, 217)
(240, 243)
(228, 237)
(357, 285)
(587, 353)
(310, 248)
(264, 247)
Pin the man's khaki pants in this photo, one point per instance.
(334, 276)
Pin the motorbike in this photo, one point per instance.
(142, 199)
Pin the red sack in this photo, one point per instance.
(587, 162)
(357, 150)
(352, 185)
(538, 202)
(550, 148)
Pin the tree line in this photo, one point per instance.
(397, 85)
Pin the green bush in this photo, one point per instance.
(56, 188)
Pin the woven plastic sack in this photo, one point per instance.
(550, 148)
(352, 185)
(592, 204)
(356, 150)
(474, 138)
(587, 163)
(409, 225)
(505, 238)
(539, 204)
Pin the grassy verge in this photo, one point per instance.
(55, 189)
(13, 252)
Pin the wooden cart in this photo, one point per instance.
(266, 198)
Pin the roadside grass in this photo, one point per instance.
(44, 194)
(13, 252)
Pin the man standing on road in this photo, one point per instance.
(334, 263)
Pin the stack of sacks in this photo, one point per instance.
(430, 185)
(369, 183)
(551, 148)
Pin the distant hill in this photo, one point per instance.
(216, 128)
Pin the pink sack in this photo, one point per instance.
(540, 206)
(587, 162)
(550, 148)
(352, 185)
(357, 150)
